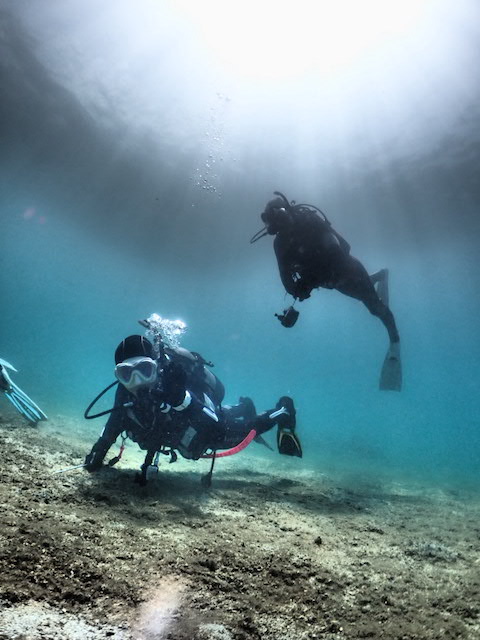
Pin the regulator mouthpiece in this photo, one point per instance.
(260, 234)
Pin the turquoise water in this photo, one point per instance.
(105, 222)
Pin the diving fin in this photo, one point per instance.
(24, 405)
(7, 365)
(391, 376)
(285, 416)
(260, 440)
(288, 443)
(19, 399)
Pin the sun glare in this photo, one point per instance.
(267, 39)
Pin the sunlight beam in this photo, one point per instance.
(268, 40)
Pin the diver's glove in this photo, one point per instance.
(94, 460)
(302, 290)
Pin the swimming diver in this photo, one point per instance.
(311, 254)
(22, 403)
(168, 401)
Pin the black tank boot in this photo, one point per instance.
(285, 417)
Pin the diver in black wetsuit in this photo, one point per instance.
(174, 403)
(311, 254)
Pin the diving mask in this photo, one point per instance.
(136, 372)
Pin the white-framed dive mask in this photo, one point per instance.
(136, 372)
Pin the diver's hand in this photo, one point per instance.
(302, 291)
(93, 462)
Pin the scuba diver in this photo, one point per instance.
(311, 254)
(22, 403)
(168, 401)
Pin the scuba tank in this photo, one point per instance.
(299, 209)
(200, 379)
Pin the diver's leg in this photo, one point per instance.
(141, 478)
(244, 410)
(284, 416)
(355, 282)
(238, 421)
(241, 419)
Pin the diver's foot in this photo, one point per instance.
(394, 351)
(285, 414)
(380, 282)
(383, 281)
(378, 276)
(287, 441)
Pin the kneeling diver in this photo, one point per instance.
(168, 401)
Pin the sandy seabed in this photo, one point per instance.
(272, 551)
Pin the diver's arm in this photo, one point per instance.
(111, 431)
(286, 273)
(294, 284)
(288, 282)
(94, 460)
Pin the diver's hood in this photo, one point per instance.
(280, 202)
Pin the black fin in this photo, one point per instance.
(288, 443)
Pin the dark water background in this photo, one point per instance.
(133, 172)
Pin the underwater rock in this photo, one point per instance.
(433, 551)
(213, 632)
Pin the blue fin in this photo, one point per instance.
(25, 405)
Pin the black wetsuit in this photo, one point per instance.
(308, 253)
(311, 254)
(153, 423)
